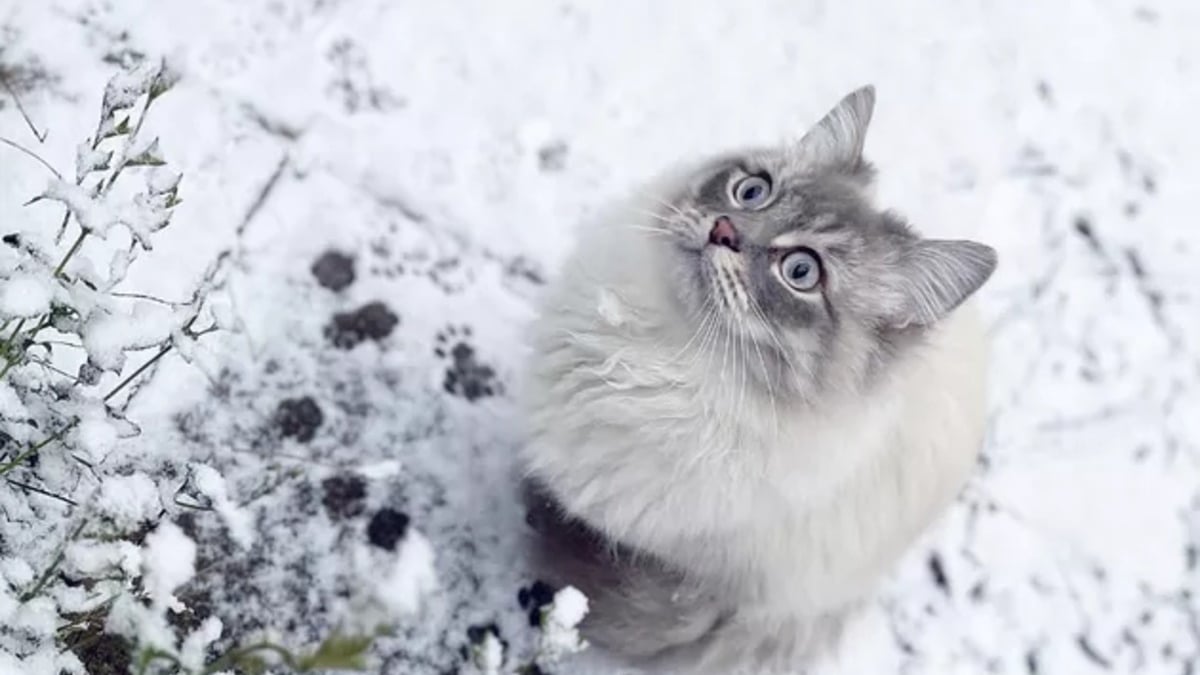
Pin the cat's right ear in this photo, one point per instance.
(836, 142)
(930, 278)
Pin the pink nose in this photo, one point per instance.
(724, 234)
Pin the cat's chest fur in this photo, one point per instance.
(773, 503)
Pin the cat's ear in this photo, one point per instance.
(836, 142)
(932, 277)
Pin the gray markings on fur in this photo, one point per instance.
(724, 459)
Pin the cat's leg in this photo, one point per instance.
(638, 607)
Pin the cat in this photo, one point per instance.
(750, 390)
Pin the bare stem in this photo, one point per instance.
(34, 155)
(35, 449)
(40, 491)
(130, 139)
(70, 253)
(143, 296)
(42, 323)
(40, 136)
(6, 347)
(8, 365)
(49, 571)
(135, 374)
(62, 227)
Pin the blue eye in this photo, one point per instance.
(752, 192)
(801, 269)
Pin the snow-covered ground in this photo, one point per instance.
(391, 183)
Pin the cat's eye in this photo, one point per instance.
(752, 192)
(801, 269)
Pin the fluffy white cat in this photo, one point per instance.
(746, 399)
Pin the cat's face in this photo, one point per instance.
(780, 253)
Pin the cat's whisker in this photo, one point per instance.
(709, 342)
(783, 352)
(651, 214)
(744, 375)
(702, 330)
(766, 372)
(664, 203)
(726, 335)
(758, 312)
(654, 230)
(677, 356)
(708, 316)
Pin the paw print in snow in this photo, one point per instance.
(465, 375)
(372, 321)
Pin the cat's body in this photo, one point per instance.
(724, 492)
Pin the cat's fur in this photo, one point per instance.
(725, 465)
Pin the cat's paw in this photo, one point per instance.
(466, 376)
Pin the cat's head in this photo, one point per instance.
(782, 253)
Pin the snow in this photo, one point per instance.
(449, 160)
(93, 559)
(411, 578)
(40, 664)
(489, 656)
(12, 413)
(108, 336)
(25, 296)
(169, 561)
(560, 621)
(96, 434)
(212, 485)
(192, 652)
(129, 501)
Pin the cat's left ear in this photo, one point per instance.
(836, 142)
(931, 278)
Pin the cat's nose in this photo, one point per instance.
(725, 234)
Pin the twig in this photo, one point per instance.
(137, 128)
(143, 296)
(44, 322)
(17, 146)
(49, 571)
(40, 491)
(263, 194)
(41, 137)
(71, 252)
(61, 343)
(12, 338)
(49, 366)
(154, 359)
(141, 369)
(8, 365)
(34, 449)
(62, 227)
